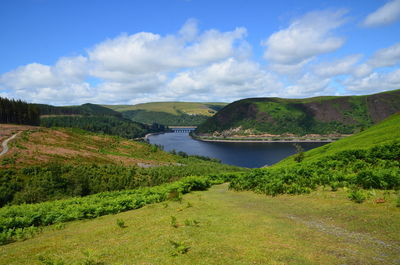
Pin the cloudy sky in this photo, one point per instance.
(66, 52)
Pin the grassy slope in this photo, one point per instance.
(174, 108)
(42, 145)
(234, 228)
(382, 133)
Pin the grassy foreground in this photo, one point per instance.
(220, 226)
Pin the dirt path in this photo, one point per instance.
(5, 144)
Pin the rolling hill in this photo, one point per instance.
(94, 118)
(169, 113)
(320, 115)
(46, 163)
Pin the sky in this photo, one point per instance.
(69, 52)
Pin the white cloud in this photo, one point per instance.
(62, 83)
(29, 76)
(227, 80)
(192, 65)
(387, 14)
(374, 82)
(309, 85)
(128, 67)
(339, 67)
(386, 57)
(151, 53)
(306, 37)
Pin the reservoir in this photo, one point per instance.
(251, 155)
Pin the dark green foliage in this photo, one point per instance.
(179, 248)
(102, 124)
(357, 195)
(18, 112)
(149, 117)
(55, 181)
(377, 168)
(85, 109)
(299, 153)
(20, 220)
(121, 223)
(174, 222)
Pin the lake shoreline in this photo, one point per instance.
(266, 140)
(270, 139)
(250, 155)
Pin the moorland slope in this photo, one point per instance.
(320, 115)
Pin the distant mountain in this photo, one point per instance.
(319, 115)
(85, 109)
(94, 118)
(169, 113)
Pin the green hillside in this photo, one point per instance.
(169, 113)
(46, 164)
(94, 118)
(367, 160)
(382, 133)
(320, 115)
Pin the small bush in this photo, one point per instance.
(174, 223)
(179, 248)
(121, 223)
(335, 185)
(48, 261)
(357, 195)
(190, 222)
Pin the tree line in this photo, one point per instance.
(18, 112)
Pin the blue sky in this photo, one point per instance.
(126, 52)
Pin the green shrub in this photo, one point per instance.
(23, 221)
(179, 247)
(357, 195)
(121, 223)
(174, 223)
(49, 261)
(377, 168)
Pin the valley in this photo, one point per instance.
(83, 189)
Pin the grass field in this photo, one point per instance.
(220, 226)
(175, 108)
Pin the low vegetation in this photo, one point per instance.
(23, 221)
(48, 164)
(56, 181)
(364, 165)
(237, 228)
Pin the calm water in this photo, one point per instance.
(240, 154)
